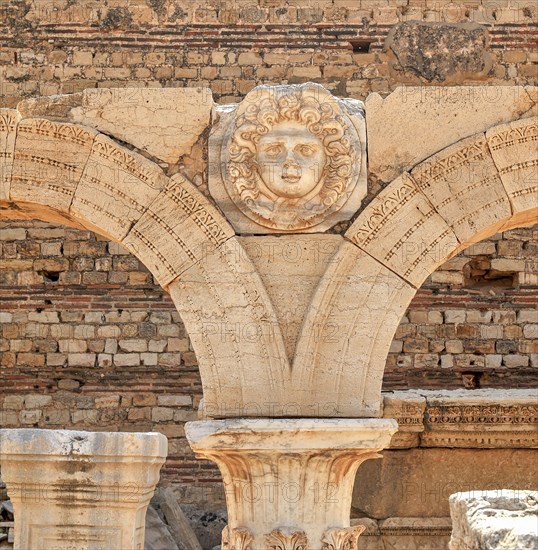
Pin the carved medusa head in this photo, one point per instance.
(289, 158)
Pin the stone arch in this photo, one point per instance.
(71, 174)
(465, 193)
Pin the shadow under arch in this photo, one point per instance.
(465, 193)
(73, 175)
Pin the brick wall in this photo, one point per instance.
(89, 341)
(53, 46)
(474, 322)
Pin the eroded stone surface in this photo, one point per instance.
(504, 520)
(56, 477)
(166, 122)
(439, 52)
(52, 107)
(268, 457)
(415, 533)
(403, 231)
(463, 184)
(413, 123)
(288, 158)
(407, 408)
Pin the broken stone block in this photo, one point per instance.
(500, 520)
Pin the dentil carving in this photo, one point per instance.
(290, 156)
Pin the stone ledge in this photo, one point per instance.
(485, 418)
(405, 532)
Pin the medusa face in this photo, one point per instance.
(291, 160)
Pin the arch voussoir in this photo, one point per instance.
(412, 249)
(463, 184)
(9, 120)
(115, 189)
(176, 230)
(461, 195)
(48, 163)
(514, 148)
(235, 333)
(364, 301)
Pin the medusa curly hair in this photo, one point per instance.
(318, 112)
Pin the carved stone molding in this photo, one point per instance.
(288, 159)
(485, 418)
(289, 482)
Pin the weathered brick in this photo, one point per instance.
(144, 400)
(174, 400)
(37, 401)
(108, 401)
(126, 359)
(81, 359)
(162, 414)
(250, 58)
(133, 345)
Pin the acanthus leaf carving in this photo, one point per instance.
(342, 539)
(236, 539)
(287, 539)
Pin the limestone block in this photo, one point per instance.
(414, 122)
(50, 158)
(177, 229)
(504, 520)
(90, 490)
(9, 118)
(55, 107)
(288, 482)
(235, 333)
(291, 267)
(402, 230)
(457, 180)
(347, 333)
(116, 188)
(407, 408)
(157, 535)
(288, 158)
(418, 482)
(165, 123)
(439, 52)
(514, 148)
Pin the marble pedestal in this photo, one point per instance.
(80, 490)
(289, 482)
